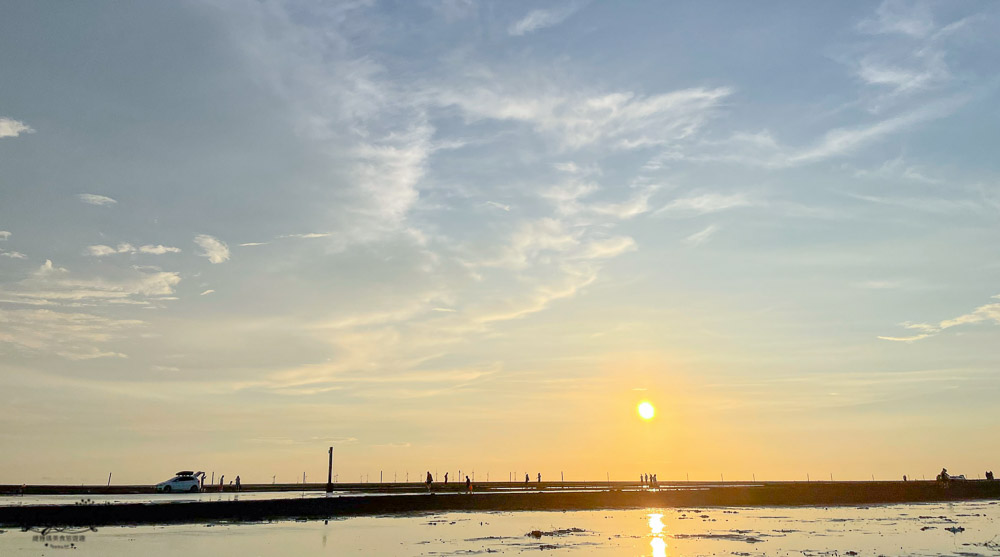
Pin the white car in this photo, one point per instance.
(186, 481)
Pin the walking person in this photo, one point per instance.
(429, 480)
(468, 484)
(237, 483)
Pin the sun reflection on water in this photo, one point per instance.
(656, 527)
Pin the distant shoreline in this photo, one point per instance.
(545, 497)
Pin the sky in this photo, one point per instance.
(458, 235)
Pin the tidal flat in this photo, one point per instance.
(965, 529)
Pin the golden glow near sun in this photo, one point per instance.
(646, 411)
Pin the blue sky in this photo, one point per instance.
(422, 230)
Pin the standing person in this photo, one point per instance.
(446, 477)
(237, 483)
(526, 480)
(468, 484)
(222, 485)
(429, 480)
(539, 477)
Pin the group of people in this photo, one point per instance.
(648, 480)
(430, 481)
(222, 483)
(944, 476)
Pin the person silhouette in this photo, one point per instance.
(237, 483)
(468, 484)
(526, 480)
(539, 477)
(429, 480)
(446, 477)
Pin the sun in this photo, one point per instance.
(646, 411)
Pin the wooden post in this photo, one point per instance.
(109, 479)
(329, 472)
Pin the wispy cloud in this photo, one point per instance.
(567, 286)
(307, 235)
(102, 250)
(4, 235)
(251, 244)
(762, 149)
(52, 285)
(927, 204)
(895, 16)
(632, 207)
(702, 236)
(390, 168)
(610, 247)
(72, 336)
(903, 80)
(94, 199)
(540, 19)
(533, 239)
(500, 206)
(12, 254)
(214, 249)
(207, 292)
(65, 327)
(13, 128)
(983, 314)
(896, 169)
(622, 120)
(706, 203)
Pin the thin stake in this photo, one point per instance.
(329, 473)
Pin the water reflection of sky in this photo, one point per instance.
(958, 529)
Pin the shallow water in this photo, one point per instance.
(920, 529)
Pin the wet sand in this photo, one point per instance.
(968, 529)
(741, 495)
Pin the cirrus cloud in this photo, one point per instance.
(94, 199)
